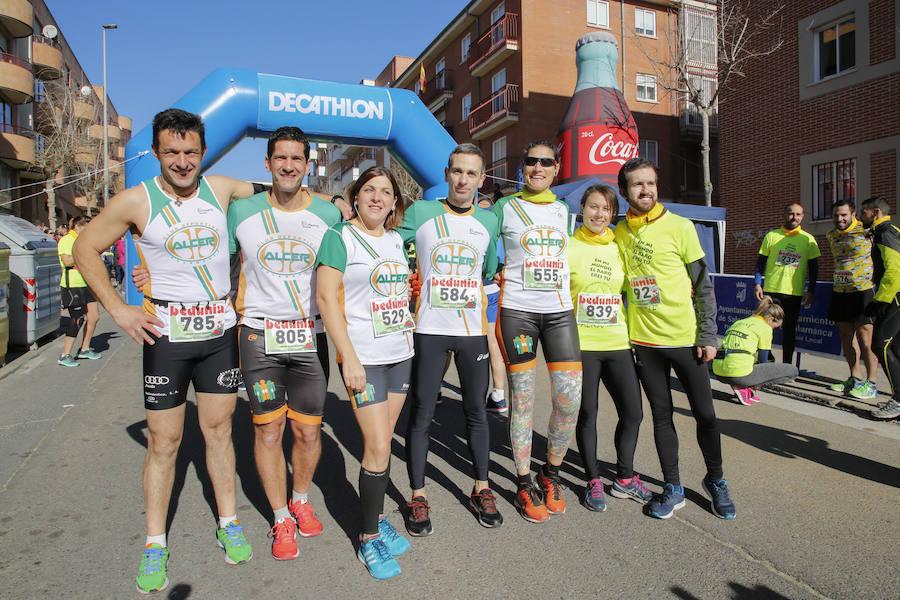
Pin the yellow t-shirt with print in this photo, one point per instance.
(70, 276)
(741, 343)
(788, 253)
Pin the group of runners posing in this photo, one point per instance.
(304, 271)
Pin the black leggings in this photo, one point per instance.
(616, 369)
(473, 365)
(77, 317)
(653, 367)
(791, 306)
(883, 344)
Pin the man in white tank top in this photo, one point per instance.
(188, 324)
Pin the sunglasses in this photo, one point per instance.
(530, 161)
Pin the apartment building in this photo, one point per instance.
(502, 73)
(815, 122)
(47, 100)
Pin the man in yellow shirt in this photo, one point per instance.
(78, 299)
(786, 256)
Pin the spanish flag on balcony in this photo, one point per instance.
(422, 78)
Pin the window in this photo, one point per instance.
(464, 47)
(418, 86)
(646, 87)
(497, 13)
(836, 49)
(831, 182)
(498, 82)
(440, 78)
(644, 22)
(466, 106)
(648, 149)
(598, 13)
(498, 156)
(700, 37)
(497, 32)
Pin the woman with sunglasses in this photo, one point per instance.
(536, 305)
(598, 279)
(362, 280)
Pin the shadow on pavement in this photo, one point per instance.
(740, 592)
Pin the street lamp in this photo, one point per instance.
(105, 122)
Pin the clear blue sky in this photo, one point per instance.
(162, 48)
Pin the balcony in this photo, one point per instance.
(17, 17)
(46, 58)
(497, 169)
(84, 111)
(691, 123)
(112, 132)
(124, 123)
(494, 46)
(495, 114)
(47, 118)
(118, 152)
(16, 79)
(16, 146)
(84, 202)
(438, 90)
(96, 132)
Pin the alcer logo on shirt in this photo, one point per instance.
(454, 258)
(192, 242)
(543, 241)
(285, 256)
(389, 278)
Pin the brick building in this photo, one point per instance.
(42, 90)
(502, 73)
(817, 121)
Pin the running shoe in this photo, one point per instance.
(231, 539)
(375, 555)
(722, 506)
(284, 540)
(308, 523)
(496, 406)
(396, 543)
(593, 496)
(528, 502)
(843, 386)
(152, 572)
(634, 489)
(66, 360)
(418, 523)
(891, 410)
(551, 487)
(864, 390)
(90, 354)
(744, 395)
(484, 506)
(663, 505)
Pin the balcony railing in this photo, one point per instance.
(691, 120)
(39, 39)
(497, 169)
(502, 103)
(16, 60)
(506, 29)
(440, 84)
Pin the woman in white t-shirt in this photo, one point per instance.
(362, 287)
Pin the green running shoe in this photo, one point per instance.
(231, 539)
(865, 390)
(90, 353)
(67, 360)
(152, 572)
(843, 386)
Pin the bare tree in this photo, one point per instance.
(409, 189)
(710, 48)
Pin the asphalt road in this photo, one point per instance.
(816, 493)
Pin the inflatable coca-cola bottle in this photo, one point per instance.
(598, 133)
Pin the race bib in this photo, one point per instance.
(644, 290)
(598, 310)
(543, 274)
(391, 315)
(454, 293)
(786, 258)
(843, 277)
(196, 321)
(283, 337)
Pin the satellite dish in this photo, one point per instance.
(86, 91)
(50, 32)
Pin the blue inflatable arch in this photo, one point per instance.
(235, 104)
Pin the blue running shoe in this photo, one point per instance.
(396, 543)
(377, 558)
(593, 496)
(634, 489)
(722, 506)
(663, 505)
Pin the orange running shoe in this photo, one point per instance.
(308, 524)
(552, 490)
(284, 540)
(528, 502)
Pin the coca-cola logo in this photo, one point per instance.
(607, 149)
